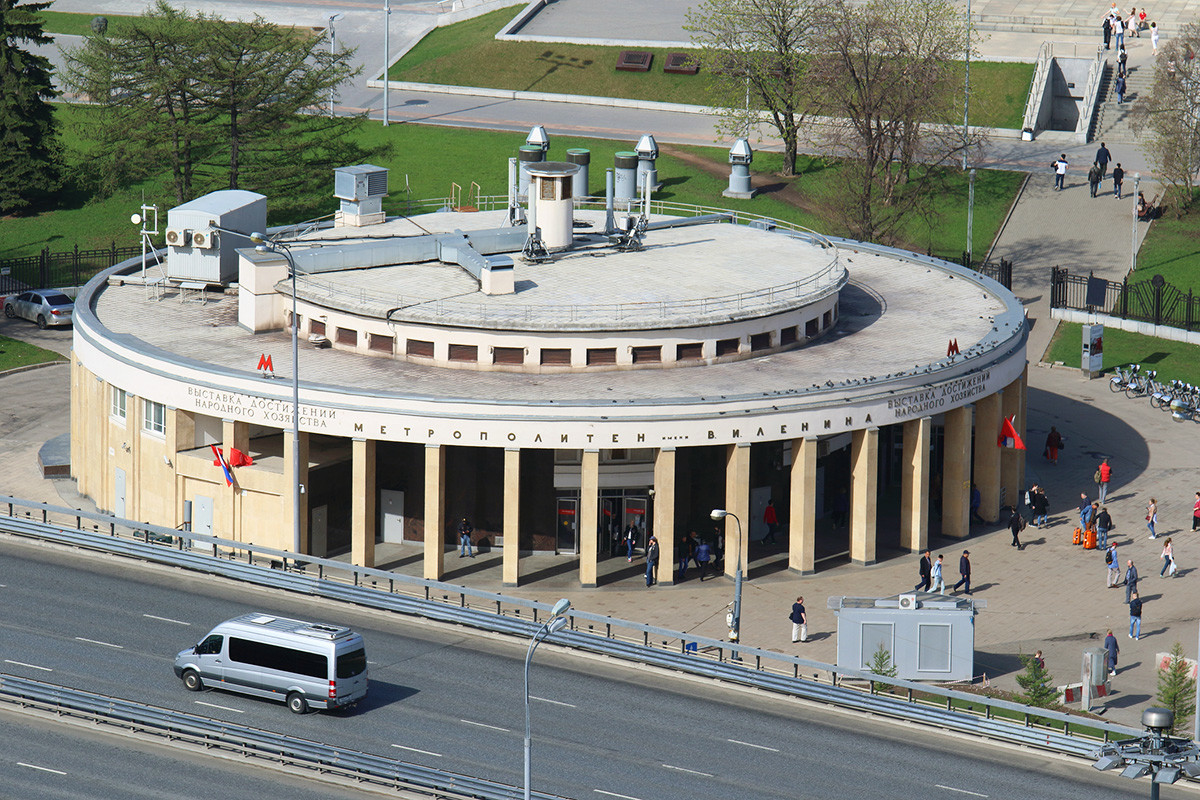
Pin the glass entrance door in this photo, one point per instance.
(568, 525)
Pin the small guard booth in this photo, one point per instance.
(930, 637)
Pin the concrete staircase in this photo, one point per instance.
(1113, 122)
(1036, 26)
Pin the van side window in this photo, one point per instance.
(210, 646)
(284, 659)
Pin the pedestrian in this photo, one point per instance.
(703, 556)
(925, 572)
(1085, 511)
(1054, 443)
(1122, 59)
(964, 570)
(1113, 562)
(1196, 513)
(799, 621)
(772, 522)
(464, 538)
(630, 540)
(1131, 579)
(1118, 29)
(1040, 504)
(1106, 30)
(1119, 88)
(1103, 526)
(1167, 556)
(1016, 524)
(1094, 178)
(1103, 476)
(1131, 24)
(939, 584)
(1154, 37)
(1060, 172)
(1118, 178)
(1135, 617)
(1152, 517)
(1112, 649)
(976, 502)
(685, 554)
(1103, 156)
(651, 560)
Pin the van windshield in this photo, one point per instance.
(352, 663)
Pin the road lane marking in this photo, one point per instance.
(482, 725)
(963, 791)
(756, 746)
(42, 769)
(614, 794)
(689, 771)
(31, 666)
(223, 708)
(418, 750)
(94, 641)
(555, 702)
(166, 619)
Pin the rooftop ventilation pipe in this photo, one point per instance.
(740, 156)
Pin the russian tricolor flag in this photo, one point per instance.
(1008, 435)
(224, 464)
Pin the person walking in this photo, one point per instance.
(925, 571)
(1060, 172)
(651, 560)
(939, 584)
(1118, 179)
(464, 538)
(772, 522)
(1118, 29)
(1103, 157)
(1103, 526)
(1113, 563)
(1122, 59)
(1094, 179)
(1112, 650)
(1119, 88)
(799, 621)
(1135, 617)
(703, 556)
(1016, 524)
(1152, 517)
(964, 571)
(1154, 37)
(1167, 556)
(1196, 513)
(1131, 579)
(686, 544)
(630, 540)
(1103, 475)
(1106, 31)
(1040, 505)
(1054, 443)
(1085, 511)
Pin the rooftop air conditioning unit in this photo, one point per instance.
(179, 237)
(360, 182)
(908, 601)
(206, 240)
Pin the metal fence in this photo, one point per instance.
(1152, 300)
(71, 268)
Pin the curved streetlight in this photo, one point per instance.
(332, 38)
(1163, 757)
(735, 622)
(556, 623)
(265, 245)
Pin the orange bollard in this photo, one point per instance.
(1090, 542)
(1078, 536)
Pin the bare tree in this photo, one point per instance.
(753, 53)
(1171, 115)
(887, 72)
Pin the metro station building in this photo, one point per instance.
(633, 370)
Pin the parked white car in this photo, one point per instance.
(46, 308)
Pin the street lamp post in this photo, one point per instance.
(332, 37)
(263, 245)
(970, 217)
(1163, 757)
(550, 626)
(387, 57)
(1137, 179)
(735, 623)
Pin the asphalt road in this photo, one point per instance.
(452, 700)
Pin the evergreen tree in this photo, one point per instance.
(1177, 689)
(882, 664)
(1037, 683)
(29, 154)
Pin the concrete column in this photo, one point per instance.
(737, 501)
(664, 513)
(512, 518)
(802, 527)
(956, 476)
(1012, 461)
(286, 500)
(363, 503)
(589, 516)
(864, 492)
(435, 512)
(914, 485)
(987, 456)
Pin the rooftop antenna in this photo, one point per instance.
(147, 230)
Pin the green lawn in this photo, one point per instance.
(1171, 359)
(78, 24)
(1172, 249)
(467, 54)
(14, 353)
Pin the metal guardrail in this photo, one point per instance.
(631, 641)
(1037, 87)
(253, 742)
(1088, 107)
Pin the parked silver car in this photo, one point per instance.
(45, 308)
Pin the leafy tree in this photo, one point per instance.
(753, 54)
(1170, 114)
(886, 73)
(1037, 683)
(29, 153)
(1177, 689)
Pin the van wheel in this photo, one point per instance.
(191, 680)
(296, 703)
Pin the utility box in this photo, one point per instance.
(203, 235)
(361, 189)
(930, 637)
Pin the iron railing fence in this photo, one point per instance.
(1152, 300)
(609, 636)
(56, 270)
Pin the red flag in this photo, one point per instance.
(239, 459)
(1008, 435)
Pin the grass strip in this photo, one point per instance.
(15, 353)
(1173, 360)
